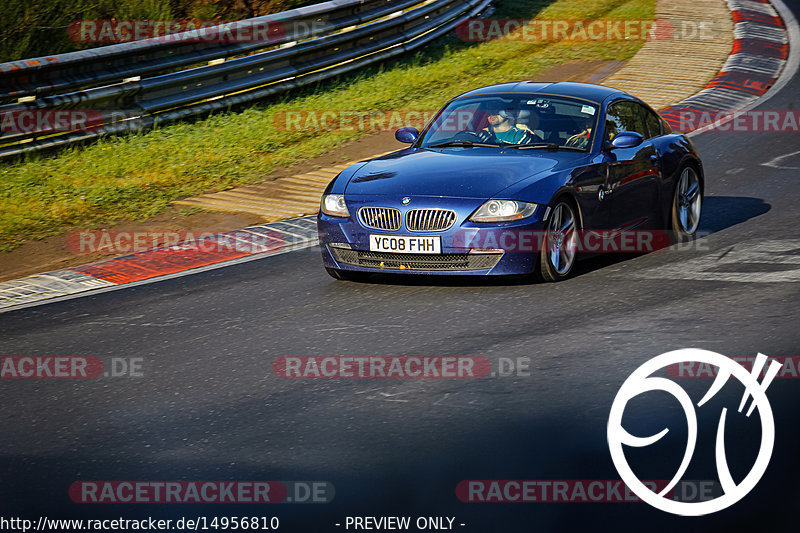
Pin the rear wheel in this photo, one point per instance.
(559, 246)
(687, 203)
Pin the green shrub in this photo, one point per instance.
(36, 28)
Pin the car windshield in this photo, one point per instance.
(521, 120)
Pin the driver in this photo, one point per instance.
(580, 140)
(504, 128)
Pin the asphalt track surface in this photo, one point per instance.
(209, 406)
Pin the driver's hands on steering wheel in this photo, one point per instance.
(579, 140)
(485, 136)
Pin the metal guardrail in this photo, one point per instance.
(137, 85)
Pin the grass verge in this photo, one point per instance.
(137, 176)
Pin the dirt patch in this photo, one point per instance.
(59, 251)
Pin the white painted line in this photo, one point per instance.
(254, 257)
(719, 99)
(311, 226)
(65, 284)
(751, 30)
(769, 66)
(44, 287)
(775, 162)
(773, 261)
(275, 227)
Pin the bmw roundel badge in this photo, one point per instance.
(405, 201)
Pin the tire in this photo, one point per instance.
(559, 250)
(346, 275)
(687, 202)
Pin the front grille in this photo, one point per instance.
(380, 217)
(430, 219)
(454, 262)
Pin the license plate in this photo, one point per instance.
(405, 244)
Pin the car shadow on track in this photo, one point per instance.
(723, 212)
(719, 213)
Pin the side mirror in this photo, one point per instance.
(627, 139)
(407, 134)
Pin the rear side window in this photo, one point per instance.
(652, 121)
(624, 116)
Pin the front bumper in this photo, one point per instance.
(450, 263)
(467, 248)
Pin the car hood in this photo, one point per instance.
(457, 172)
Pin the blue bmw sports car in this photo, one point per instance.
(516, 178)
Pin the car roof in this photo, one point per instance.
(585, 91)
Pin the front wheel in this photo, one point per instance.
(559, 245)
(686, 205)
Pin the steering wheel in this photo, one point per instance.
(579, 140)
(467, 135)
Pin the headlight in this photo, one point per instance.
(333, 205)
(503, 211)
